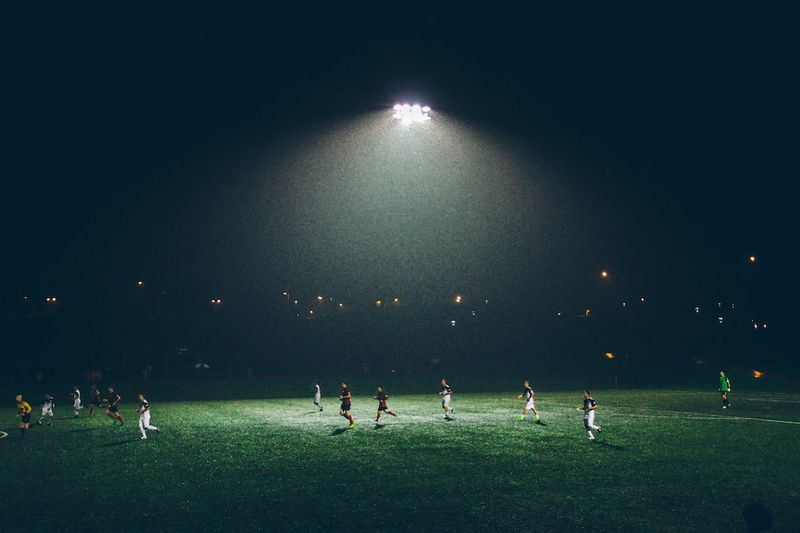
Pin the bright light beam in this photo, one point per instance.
(410, 114)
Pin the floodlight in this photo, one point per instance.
(409, 114)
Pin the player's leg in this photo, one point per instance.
(120, 418)
(141, 427)
(378, 416)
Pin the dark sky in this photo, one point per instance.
(652, 141)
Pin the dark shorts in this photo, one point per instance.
(26, 418)
(345, 406)
(383, 407)
(113, 408)
(96, 402)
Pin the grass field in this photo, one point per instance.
(666, 461)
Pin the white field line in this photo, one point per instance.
(769, 400)
(688, 415)
(3, 434)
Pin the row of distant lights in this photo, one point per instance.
(410, 114)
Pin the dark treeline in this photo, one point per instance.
(158, 335)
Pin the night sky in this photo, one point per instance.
(238, 151)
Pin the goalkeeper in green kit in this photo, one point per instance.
(724, 389)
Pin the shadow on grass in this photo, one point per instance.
(84, 430)
(609, 445)
(379, 426)
(540, 423)
(118, 442)
(311, 412)
(338, 431)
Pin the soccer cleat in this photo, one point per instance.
(599, 429)
(724, 406)
(143, 437)
(351, 426)
(520, 417)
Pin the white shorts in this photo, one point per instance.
(446, 401)
(317, 399)
(47, 412)
(76, 404)
(530, 405)
(588, 419)
(144, 419)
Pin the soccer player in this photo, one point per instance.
(76, 400)
(724, 388)
(24, 412)
(48, 402)
(97, 400)
(528, 394)
(113, 406)
(589, 407)
(381, 396)
(344, 410)
(317, 395)
(144, 417)
(445, 394)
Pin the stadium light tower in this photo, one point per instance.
(411, 114)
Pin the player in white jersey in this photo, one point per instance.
(445, 393)
(589, 407)
(144, 417)
(530, 405)
(48, 402)
(76, 400)
(317, 395)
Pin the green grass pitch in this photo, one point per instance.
(666, 461)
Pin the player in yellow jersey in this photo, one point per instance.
(24, 412)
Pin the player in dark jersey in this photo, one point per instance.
(589, 407)
(144, 417)
(381, 396)
(24, 414)
(344, 410)
(445, 393)
(113, 406)
(48, 403)
(96, 399)
(530, 401)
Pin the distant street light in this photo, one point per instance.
(458, 299)
(752, 259)
(51, 299)
(140, 283)
(604, 274)
(410, 114)
(216, 301)
(378, 303)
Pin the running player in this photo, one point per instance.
(589, 407)
(724, 389)
(113, 406)
(381, 396)
(96, 399)
(344, 410)
(24, 413)
(529, 395)
(144, 417)
(445, 394)
(317, 395)
(76, 400)
(47, 410)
